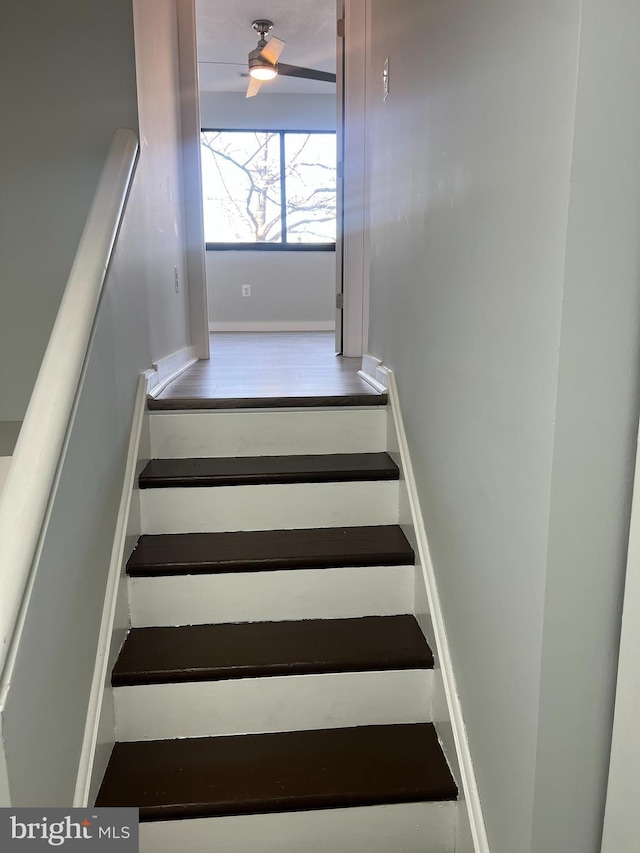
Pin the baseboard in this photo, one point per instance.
(447, 712)
(5, 795)
(374, 373)
(368, 378)
(167, 369)
(99, 734)
(276, 326)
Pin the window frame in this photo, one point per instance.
(283, 246)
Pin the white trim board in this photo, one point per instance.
(355, 236)
(99, 734)
(286, 703)
(409, 827)
(268, 432)
(195, 262)
(167, 369)
(266, 507)
(620, 823)
(382, 389)
(374, 373)
(5, 794)
(284, 594)
(448, 715)
(275, 326)
(5, 461)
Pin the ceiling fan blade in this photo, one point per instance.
(253, 88)
(273, 50)
(305, 73)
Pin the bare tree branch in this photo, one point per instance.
(262, 173)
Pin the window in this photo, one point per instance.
(269, 189)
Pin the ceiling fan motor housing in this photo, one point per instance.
(257, 61)
(254, 57)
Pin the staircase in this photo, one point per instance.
(274, 692)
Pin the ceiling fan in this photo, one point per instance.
(264, 65)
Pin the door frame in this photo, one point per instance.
(352, 280)
(195, 255)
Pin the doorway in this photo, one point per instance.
(271, 288)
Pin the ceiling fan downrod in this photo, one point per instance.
(262, 27)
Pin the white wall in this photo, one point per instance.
(51, 156)
(220, 110)
(45, 710)
(156, 41)
(504, 293)
(290, 289)
(9, 431)
(596, 426)
(140, 319)
(287, 288)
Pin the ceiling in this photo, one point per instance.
(225, 36)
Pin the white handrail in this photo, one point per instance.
(25, 498)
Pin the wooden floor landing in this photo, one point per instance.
(270, 369)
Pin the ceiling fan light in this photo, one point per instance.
(263, 72)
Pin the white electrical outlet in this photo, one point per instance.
(176, 279)
(246, 290)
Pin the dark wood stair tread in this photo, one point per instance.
(367, 397)
(260, 470)
(256, 649)
(278, 772)
(267, 550)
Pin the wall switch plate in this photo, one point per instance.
(385, 80)
(246, 290)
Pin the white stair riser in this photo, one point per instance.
(398, 828)
(272, 704)
(339, 593)
(271, 432)
(269, 507)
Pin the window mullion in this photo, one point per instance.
(283, 189)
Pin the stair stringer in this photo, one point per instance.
(447, 709)
(99, 734)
